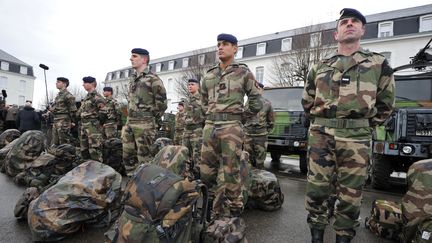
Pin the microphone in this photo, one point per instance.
(43, 66)
(4, 93)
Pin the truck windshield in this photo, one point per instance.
(285, 98)
(414, 89)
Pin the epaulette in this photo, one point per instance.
(242, 64)
(212, 68)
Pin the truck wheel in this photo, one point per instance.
(275, 157)
(381, 171)
(303, 163)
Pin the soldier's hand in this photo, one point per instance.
(72, 124)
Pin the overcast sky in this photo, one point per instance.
(78, 38)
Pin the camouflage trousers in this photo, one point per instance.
(344, 153)
(137, 137)
(256, 146)
(91, 140)
(61, 132)
(192, 139)
(220, 166)
(178, 137)
(110, 130)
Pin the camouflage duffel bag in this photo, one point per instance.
(21, 207)
(226, 230)
(66, 158)
(8, 136)
(24, 151)
(424, 232)
(264, 192)
(159, 206)
(385, 220)
(174, 158)
(89, 195)
(3, 153)
(112, 153)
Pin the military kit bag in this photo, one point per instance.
(87, 195)
(424, 232)
(21, 207)
(160, 206)
(112, 153)
(386, 219)
(226, 230)
(174, 158)
(3, 153)
(264, 192)
(8, 136)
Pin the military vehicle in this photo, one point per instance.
(168, 126)
(289, 135)
(406, 136)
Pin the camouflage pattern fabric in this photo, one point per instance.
(88, 194)
(26, 149)
(8, 136)
(417, 201)
(64, 110)
(192, 140)
(179, 127)
(113, 154)
(159, 144)
(424, 232)
(21, 207)
(256, 146)
(386, 219)
(226, 230)
(3, 153)
(113, 118)
(176, 159)
(265, 192)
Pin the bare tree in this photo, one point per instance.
(43, 101)
(78, 92)
(291, 68)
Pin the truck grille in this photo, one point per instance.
(295, 130)
(415, 132)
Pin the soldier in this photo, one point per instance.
(194, 123)
(64, 110)
(256, 130)
(179, 124)
(91, 115)
(146, 104)
(223, 89)
(113, 114)
(345, 96)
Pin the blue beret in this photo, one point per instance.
(108, 89)
(350, 12)
(89, 79)
(140, 51)
(192, 80)
(227, 37)
(261, 85)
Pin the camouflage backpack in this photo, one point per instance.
(21, 207)
(3, 153)
(174, 158)
(424, 232)
(113, 154)
(385, 220)
(8, 136)
(88, 195)
(159, 144)
(159, 206)
(226, 230)
(264, 192)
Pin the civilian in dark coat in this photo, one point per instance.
(28, 119)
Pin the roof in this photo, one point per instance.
(9, 58)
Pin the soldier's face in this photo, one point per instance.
(180, 108)
(138, 61)
(349, 30)
(226, 50)
(60, 85)
(107, 94)
(88, 86)
(192, 87)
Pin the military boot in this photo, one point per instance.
(317, 235)
(343, 239)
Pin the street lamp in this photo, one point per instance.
(45, 67)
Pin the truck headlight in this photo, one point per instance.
(296, 144)
(407, 149)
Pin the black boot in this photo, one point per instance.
(317, 235)
(343, 239)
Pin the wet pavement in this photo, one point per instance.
(285, 225)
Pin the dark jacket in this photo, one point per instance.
(28, 119)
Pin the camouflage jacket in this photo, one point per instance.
(263, 122)
(194, 110)
(64, 104)
(180, 121)
(359, 86)
(223, 91)
(146, 94)
(92, 106)
(112, 110)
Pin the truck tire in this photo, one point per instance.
(275, 157)
(381, 171)
(303, 163)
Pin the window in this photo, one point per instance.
(158, 67)
(201, 59)
(171, 65)
(22, 85)
(185, 62)
(126, 73)
(385, 29)
(387, 55)
(4, 66)
(261, 49)
(259, 74)
(169, 85)
(3, 82)
(425, 23)
(109, 76)
(239, 53)
(315, 39)
(23, 70)
(286, 44)
(117, 90)
(21, 100)
(117, 75)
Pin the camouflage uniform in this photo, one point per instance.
(147, 100)
(64, 110)
(256, 130)
(91, 138)
(223, 92)
(179, 127)
(344, 96)
(113, 118)
(194, 123)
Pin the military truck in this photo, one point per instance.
(289, 135)
(406, 136)
(168, 126)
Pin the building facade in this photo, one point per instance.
(398, 35)
(16, 78)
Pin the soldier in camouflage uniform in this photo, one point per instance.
(113, 114)
(64, 110)
(345, 96)
(179, 124)
(91, 114)
(256, 130)
(146, 104)
(223, 89)
(194, 123)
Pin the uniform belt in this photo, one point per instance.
(89, 119)
(224, 117)
(341, 123)
(140, 114)
(252, 130)
(193, 126)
